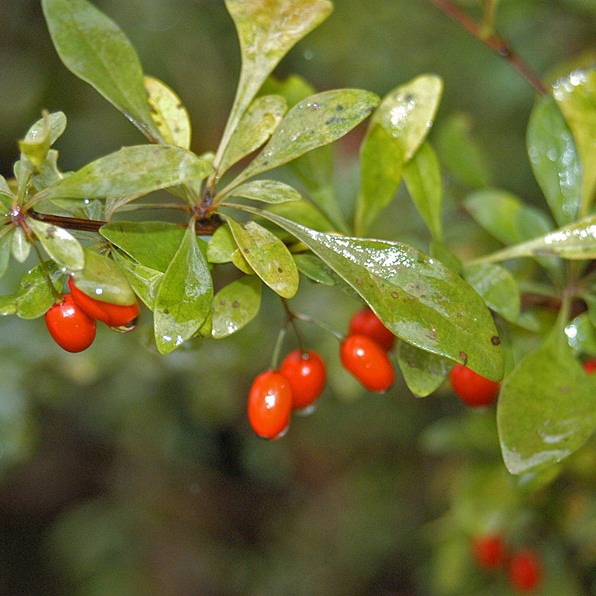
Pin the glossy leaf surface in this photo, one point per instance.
(422, 175)
(423, 372)
(267, 30)
(555, 161)
(416, 297)
(313, 122)
(60, 245)
(256, 126)
(168, 113)
(41, 136)
(19, 245)
(575, 94)
(136, 170)
(236, 305)
(268, 256)
(5, 246)
(144, 280)
(267, 191)
(546, 408)
(183, 301)
(404, 116)
(35, 297)
(96, 50)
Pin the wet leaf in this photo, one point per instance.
(136, 170)
(256, 126)
(60, 245)
(575, 94)
(6, 195)
(35, 297)
(304, 213)
(241, 263)
(183, 300)
(314, 269)
(497, 287)
(268, 256)
(96, 50)
(5, 249)
(546, 408)
(554, 159)
(581, 334)
(397, 129)
(144, 280)
(460, 152)
(103, 280)
(267, 191)
(315, 121)
(422, 175)
(20, 246)
(168, 113)
(221, 246)
(423, 371)
(41, 136)
(235, 305)
(416, 297)
(267, 30)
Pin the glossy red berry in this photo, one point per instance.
(366, 322)
(113, 315)
(368, 362)
(590, 365)
(71, 328)
(270, 404)
(307, 375)
(473, 389)
(525, 571)
(489, 551)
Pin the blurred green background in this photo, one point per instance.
(123, 472)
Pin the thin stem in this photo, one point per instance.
(291, 319)
(308, 319)
(278, 344)
(57, 295)
(493, 41)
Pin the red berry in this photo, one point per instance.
(473, 389)
(366, 322)
(113, 315)
(525, 571)
(590, 365)
(307, 375)
(270, 404)
(368, 362)
(489, 551)
(71, 328)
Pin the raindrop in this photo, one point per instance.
(130, 326)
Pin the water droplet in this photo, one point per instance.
(130, 326)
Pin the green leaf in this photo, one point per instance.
(256, 126)
(62, 247)
(267, 30)
(268, 191)
(103, 279)
(268, 256)
(422, 175)
(20, 246)
(144, 280)
(41, 136)
(304, 213)
(575, 241)
(398, 127)
(460, 152)
(546, 408)
(555, 161)
(497, 287)
(314, 269)
(235, 305)
(315, 121)
(134, 170)
(581, 334)
(5, 248)
(35, 297)
(152, 244)
(168, 113)
(416, 297)
(95, 49)
(423, 371)
(575, 94)
(221, 246)
(183, 301)
(6, 195)
(241, 263)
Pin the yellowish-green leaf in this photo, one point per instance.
(236, 305)
(62, 247)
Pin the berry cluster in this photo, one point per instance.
(523, 567)
(301, 378)
(473, 389)
(72, 321)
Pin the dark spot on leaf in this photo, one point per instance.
(411, 364)
(409, 97)
(246, 250)
(152, 109)
(179, 106)
(158, 182)
(464, 357)
(431, 336)
(235, 304)
(394, 295)
(166, 311)
(334, 120)
(459, 315)
(222, 302)
(494, 340)
(280, 270)
(27, 285)
(564, 389)
(51, 231)
(359, 282)
(339, 108)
